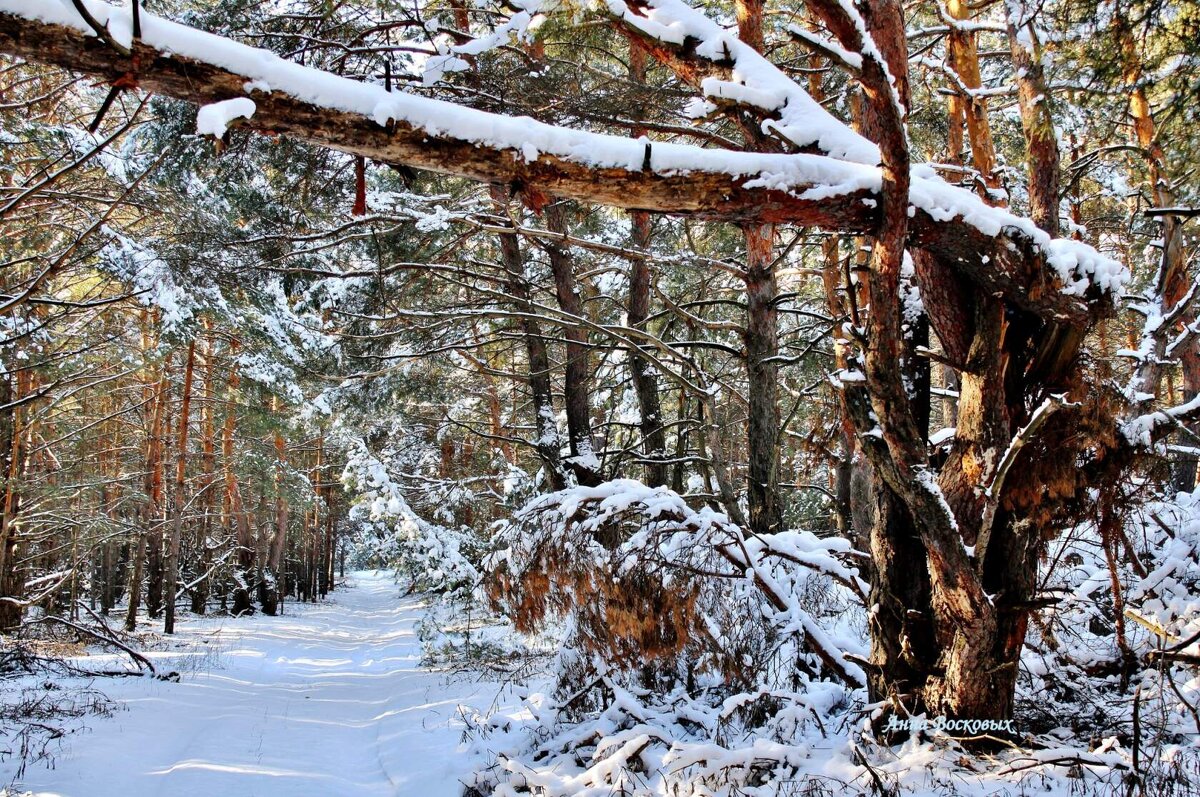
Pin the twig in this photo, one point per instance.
(101, 30)
(133, 654)
(104, 106)
(862, 759)
(1183, 213)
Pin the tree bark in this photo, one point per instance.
(1172, 280)
(583, 462)
(1007, 263)
(172, 563)
(272, 586)
(761, 335)
(762, 351)
(235, 509)
(641, 373)
(157, 527)
(972, 111)
(14, 386)
(156, 398)
(208, 474)
(1037, 121)
(548, 442)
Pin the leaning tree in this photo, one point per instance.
(956, 538)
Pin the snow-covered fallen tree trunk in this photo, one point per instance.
(1001, 251)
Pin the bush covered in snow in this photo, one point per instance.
(695, 661)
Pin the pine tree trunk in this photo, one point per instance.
(236, 512)
(1037, 122)
(577, 382)
(547, 442)
(641, 373)
(963, 58)
(13, 387)
(1173, 276)
(157, 526)
(762, 331)
(762, 352)
(274, 580)
(156, 397)
(172, 562)
(208, 478)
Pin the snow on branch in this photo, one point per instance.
(752, 80)
(997, 250)
(434, 556)
(215, 119)
(601, 555)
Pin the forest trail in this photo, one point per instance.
(326, 700)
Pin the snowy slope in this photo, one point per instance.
(329, 700)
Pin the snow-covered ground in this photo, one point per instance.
(327, 700)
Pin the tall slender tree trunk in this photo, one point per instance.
(172, 561)
(761, 334)
(1172, 280)
(547, 442)
(641, 373)
(1037, 120)
(241, 531)
(208, 477)
(156, 397)
(315, 558)
(14, 386)
(762, 352)
(158, 527)
(273, 584)
(967, 110)
(577, 382)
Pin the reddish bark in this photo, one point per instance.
(172, 560)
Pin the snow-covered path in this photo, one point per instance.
(331, 700)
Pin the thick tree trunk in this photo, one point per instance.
(938, 645)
